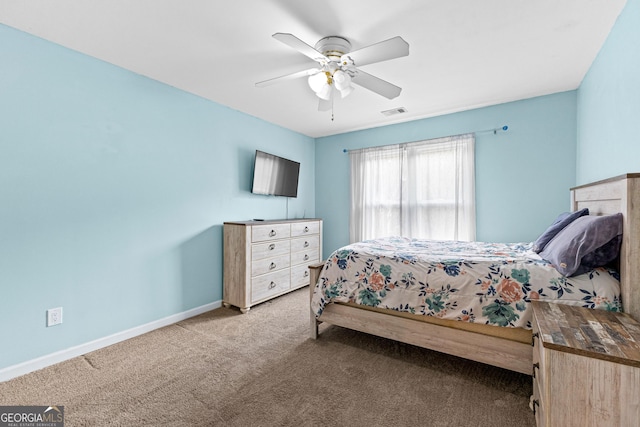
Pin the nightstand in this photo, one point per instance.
(586, 367)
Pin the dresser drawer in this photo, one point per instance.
(269, 265)
(261, 233)
(270, 249)
(305, 243)
(299, 275)
(268, 285)
(305, 228)
(305, 257)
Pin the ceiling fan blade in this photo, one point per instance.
(294, 42)
(382, 51)
(376, 85)
(303, 73)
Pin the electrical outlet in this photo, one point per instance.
(54, 316)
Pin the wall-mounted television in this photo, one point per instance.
(274, 175)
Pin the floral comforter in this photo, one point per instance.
(477, 282)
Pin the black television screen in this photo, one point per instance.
(275, 175)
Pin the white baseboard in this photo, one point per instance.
(62, 355)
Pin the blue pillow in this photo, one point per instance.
(561, 222)
(580, 239)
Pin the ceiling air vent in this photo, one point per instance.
(394, 111)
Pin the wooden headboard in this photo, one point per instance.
(613, 195)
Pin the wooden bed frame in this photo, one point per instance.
(619, 194)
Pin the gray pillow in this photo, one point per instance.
(560, 223)
(601, 257)
(579, 239)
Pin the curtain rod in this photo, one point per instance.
(494, 130)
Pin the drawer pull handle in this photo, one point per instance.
(306, 273)
(272, 233)
(306, 244)
(533, 406)
(306, 229)
(272, 285)
(306, 257)
(272, 246)
(535, 366)
(272, 266)
(533, 339)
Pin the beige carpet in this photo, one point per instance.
(260, 369)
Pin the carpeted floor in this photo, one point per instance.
(223, 368)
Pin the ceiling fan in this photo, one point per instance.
(338, 67)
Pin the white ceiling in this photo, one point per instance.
(463, 53)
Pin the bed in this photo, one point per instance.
(506, 340)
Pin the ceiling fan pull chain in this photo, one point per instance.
(332, 108)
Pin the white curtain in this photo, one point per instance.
(421, 189)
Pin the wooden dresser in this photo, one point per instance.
(265, 259)
(586, 367)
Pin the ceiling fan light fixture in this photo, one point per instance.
(341, 78)
(342, 81)
(325, 92)
(322, 83)
(346, 91)
(317, 81)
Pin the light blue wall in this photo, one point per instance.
(113, 191)
(523, 175)
(609, 104)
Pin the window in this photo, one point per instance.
(421, 189)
